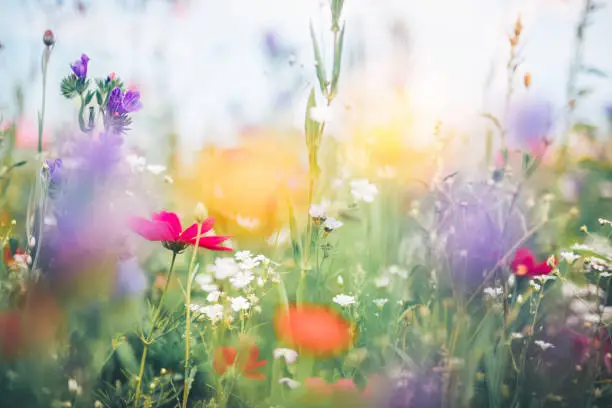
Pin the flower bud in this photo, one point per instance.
(527, 80)
(200, 212)
(49, 38)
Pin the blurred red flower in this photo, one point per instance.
(166, 227)
(525, 264)
(314, 329)
(246, 361)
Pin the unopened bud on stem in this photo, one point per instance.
(200, 212)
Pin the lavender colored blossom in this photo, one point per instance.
(529, 124)
(54, 169)
(79, 68)
(474, 238)
(130, 279)
(131, 101)
(416, 390)
(120, 103)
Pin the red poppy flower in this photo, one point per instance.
(525, 264)
(166, 227)
(314, 329)
(225, 357)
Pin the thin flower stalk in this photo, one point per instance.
(187, 377)
(147, 342)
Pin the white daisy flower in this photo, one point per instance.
(213, 297)
(332, 224)
(213, 312)
(380, 302)
(493, 292)
(289, 355)
(344, 300)
(241, 279)
(543, 345)
(224, 268)
(156, 169)
(290, 383)
(239, 303)
(318, 210)
(242, 255)
(206, 283)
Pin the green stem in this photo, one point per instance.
(146, 342)
(187, 385)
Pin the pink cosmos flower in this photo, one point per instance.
(166, 227)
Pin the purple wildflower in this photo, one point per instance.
(54, 169)
(79, 68)
(120, 103)
(130, 279)
(530, 124)
(131, 101)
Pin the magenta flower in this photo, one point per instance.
(80, 67)
(166, 227)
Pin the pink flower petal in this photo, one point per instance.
(192, 231)
(212, 243)
(171, 219)
(151, 230)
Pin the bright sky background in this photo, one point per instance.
(201, 67)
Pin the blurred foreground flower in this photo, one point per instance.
(525, 264)
(166, 227)
(248, 193)
(314, 329)
(246, 361)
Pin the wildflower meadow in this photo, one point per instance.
(332, 264)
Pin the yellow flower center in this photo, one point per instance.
(521, 270)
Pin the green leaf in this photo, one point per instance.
(319, 65)
(99, 98)
(69, 87)
(293, 230)
(494, 120)
(311, 127)
(336, 11)
(89, 97)
(337, 63)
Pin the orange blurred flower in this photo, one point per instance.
(226, 357)
(315, 329)
(245, 187)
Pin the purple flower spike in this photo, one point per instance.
(115, 102)
(79, 68)
(131, 101)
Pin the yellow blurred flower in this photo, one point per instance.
(245, 187)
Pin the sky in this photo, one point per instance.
(202, 69)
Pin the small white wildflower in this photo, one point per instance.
(544, 345)
(289, 355)
(252, 298)
(74, 387)
(224, 268)
(569, 257)
(156, 169)
(535, 285)
(242, 255)
(321, 114)
(363, 190)
(248, 223)
(290, 383)
(213, 312)
(520, 299)
(332, 224)
(603, 221)
(206, 283)
(213, 297)
(493, 292)
(241, 279)
(318, 210)
(344, 300)
(195, 308)
(517, 336)
(260, 282)
(382, 282)
(544, 278)
(249, 264)
(380, 302)
(240, 303)
(339, 280)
